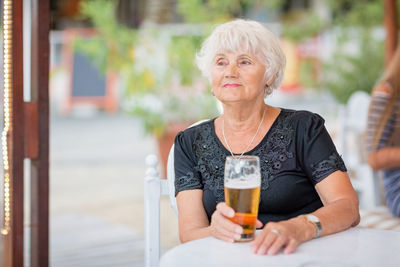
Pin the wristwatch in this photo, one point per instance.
(315, 221)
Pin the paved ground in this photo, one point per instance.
(97, 171)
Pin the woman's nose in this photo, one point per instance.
(231, 71)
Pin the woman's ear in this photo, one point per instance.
(269, 81)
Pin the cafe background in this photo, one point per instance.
(122, 82)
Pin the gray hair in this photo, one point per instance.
(244, 36)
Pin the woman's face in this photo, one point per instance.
(237, 77)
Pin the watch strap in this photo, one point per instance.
(315, 221)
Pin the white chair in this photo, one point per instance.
(154, 188)
(352, 143)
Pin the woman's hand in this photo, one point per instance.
(275, 236)
(224, 229)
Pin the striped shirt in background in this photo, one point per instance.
(391, 178)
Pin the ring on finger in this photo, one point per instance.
(276, 232)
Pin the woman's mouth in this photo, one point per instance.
(230, 85)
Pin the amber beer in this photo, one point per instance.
(245, 203)
(242, 192)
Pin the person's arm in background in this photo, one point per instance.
(386, 157)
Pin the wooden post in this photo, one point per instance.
(390, 21)
(29, 138)
(40, 161)
(14, 240)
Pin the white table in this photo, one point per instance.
(354, 247)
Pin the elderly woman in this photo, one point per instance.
(302, 174)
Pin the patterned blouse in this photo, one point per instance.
(295, 154)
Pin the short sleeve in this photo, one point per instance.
(186, 177)
(318, 156)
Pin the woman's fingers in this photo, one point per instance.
(259, 224)
(227, 228)
(227, 224)
(279, 242)
(273, 238)
(223, 228)
(225, 210)
(291, 246)
(263, 242)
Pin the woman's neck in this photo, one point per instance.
(244, 118)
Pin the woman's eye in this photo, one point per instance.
(245, 62)
(220, 63)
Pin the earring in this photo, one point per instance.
(267, 91)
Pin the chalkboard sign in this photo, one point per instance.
(87, 84)
(87, 80)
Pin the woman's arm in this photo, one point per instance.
(193, 221)
(192, 218)
(340, 211)
(385, 158)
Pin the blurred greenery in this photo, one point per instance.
(348, 72)
(179, 50)
(156, 66)
(118, 49)
(200, 11)
(165, 86)
(357, 60)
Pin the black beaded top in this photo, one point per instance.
(295, 154)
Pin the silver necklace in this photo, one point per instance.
(252, 139)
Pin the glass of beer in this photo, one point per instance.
(242, 192)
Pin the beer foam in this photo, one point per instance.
(237, 184)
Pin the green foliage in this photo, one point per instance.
(199, 11)
(357, 71)
(362, 13)
(353, 23)
(117, 39)
(180, 48)
(218, 11)
(95, 49)
(301, 25)
(307, 74)
(350, 72)
(156, 67)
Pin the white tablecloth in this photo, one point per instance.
(354, 247)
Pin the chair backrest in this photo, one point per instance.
(357, 110)
(171, 179)
(352, 141)
(154, 187)
(171, 174)
(354, 122)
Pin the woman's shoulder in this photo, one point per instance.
(195, 129)
(302, 116)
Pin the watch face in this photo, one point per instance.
(312, 218)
